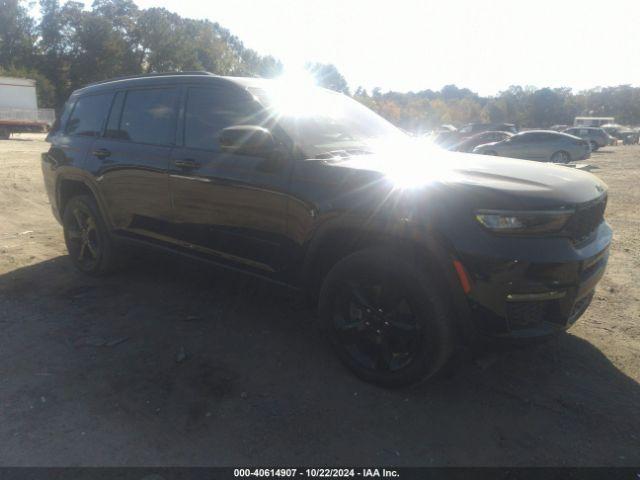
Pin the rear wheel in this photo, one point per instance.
(560, 157)
(88, 242)
(385, 318)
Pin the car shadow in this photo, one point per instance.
(175, 363)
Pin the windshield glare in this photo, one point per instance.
(321, 121)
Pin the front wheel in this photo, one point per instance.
(386, 318)
(560, 157)
(88, 242)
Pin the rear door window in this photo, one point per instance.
(549, 137)
(149, 116)
(540, 137)
(88, 115)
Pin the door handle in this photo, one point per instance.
(102, 153)
(186, 163)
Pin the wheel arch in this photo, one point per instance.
(430, 250)
(69, 186)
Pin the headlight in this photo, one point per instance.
(524, 222)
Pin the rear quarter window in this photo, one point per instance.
(63, 117)
(88, 115)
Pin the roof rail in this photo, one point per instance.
(148, 75)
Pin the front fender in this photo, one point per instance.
(427, 247)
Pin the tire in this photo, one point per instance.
(594, 146)
(560, 157)
(385, 318)
(5, 133)
(90, 247)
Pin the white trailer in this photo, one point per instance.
(19, 110)
(592, 121)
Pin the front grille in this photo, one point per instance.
(586, 219)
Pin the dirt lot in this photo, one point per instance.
(173, 363)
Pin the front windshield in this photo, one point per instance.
(321, 121)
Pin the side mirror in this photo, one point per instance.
(250, 140)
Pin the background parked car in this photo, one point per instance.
(473, 128)
(445, 136)
(468, 144)
(597, 137)
(628, 135)
(540, 145)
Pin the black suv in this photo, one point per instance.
(408, 250)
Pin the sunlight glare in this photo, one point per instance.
(415, 165)
(296, 95)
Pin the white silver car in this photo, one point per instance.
(540, 145)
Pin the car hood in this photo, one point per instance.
(501, 180)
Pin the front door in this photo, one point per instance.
(226, 205)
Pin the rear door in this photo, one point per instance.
(542, 145)
(230, 206)
(85, 121)
(130, 161)
(515, 147)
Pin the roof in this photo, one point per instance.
(538, 131)
(592, 118)
(554, 132)
(172, 78)
(20, 82)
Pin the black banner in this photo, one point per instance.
(404, 473)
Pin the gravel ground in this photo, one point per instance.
(174, 363)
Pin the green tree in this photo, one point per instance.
(328, 76)
(17, 35)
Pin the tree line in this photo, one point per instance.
(523, 106)
(68, 47)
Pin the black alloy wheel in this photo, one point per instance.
(376, 325)
(387, 320)
(89, 244)
(83, 240)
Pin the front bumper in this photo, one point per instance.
(533, 287)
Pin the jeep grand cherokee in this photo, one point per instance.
(408, 250)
